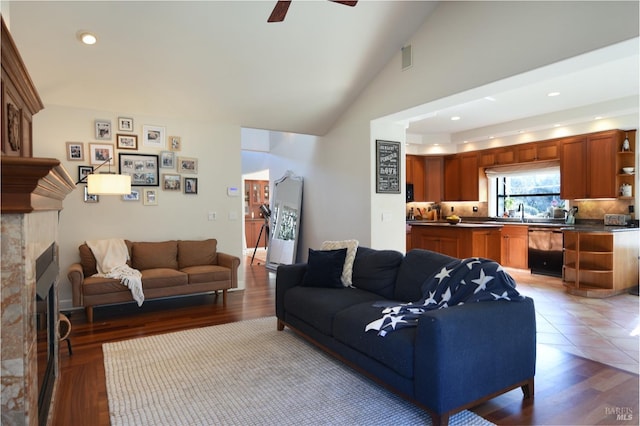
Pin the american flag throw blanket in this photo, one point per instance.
(459, 282)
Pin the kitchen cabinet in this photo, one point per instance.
(497, 156)
(626, 159)
(588, 165)
(256, 193)
(462, 177)
(458, 241)
(416, 175)
(515, 246)
(434, 189)
(252, 229)
(537, 151)
(600, 264)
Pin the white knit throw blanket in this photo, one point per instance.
(111, 259)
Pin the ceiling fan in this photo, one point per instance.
(280, 10)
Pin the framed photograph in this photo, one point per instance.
(187, 165)
(101, 152)
(127, 141)
(133, 196)
(125, 124)
(190, 185)
(143, 168)
(75, 151)
(170, 182)
(90, 198)
(83, 172)
(387, 167)
(153, 136)
(103, 130)
(174, 143)
(167, 160)
(150, 197)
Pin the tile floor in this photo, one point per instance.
(604, 330)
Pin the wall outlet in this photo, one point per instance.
(631, 209)
(212, 215)
(451, 209)
(475, 209)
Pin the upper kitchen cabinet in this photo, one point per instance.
(537, 151)
(497, 156)
(462, 177)
(588, 165)
(416, 175)
(425, 173)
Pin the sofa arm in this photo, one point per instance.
(465, 353)
(231, 262)
(76, 277)
(287, 276)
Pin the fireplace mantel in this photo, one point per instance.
(33, 184)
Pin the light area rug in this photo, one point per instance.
(246, 373)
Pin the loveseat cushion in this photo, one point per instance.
(162, 277)
(395, 350)
(376, 270)
(194, 253)
(324, 268)
(318, 306)
(417, 266)
(100, 285)
(207, 273)
(145, 255)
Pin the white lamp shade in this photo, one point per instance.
(108, 184)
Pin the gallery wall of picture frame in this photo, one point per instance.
(144, 169)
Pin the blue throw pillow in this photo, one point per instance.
(324, 268)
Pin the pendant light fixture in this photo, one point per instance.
(107, 183)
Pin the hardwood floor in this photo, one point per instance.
(569, 390)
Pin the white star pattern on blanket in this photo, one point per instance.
(449, 287)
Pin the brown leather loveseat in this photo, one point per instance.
(169, 268)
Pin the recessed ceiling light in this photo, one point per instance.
(490, 98)
(556, 125)
(455, 118)
(598, 117)
(552, 94)
(86, 37)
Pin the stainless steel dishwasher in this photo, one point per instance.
(545, 251)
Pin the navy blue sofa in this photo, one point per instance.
(454, 359)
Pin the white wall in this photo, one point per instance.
(461, 45)
(177, 215)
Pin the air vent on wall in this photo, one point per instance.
(406, 57)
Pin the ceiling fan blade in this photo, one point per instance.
(346, 3)
(279, 11)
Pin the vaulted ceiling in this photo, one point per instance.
(222, 61)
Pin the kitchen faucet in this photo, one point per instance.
(521, 210)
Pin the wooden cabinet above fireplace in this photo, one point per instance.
(20, 101)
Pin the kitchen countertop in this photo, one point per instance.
(592, 227)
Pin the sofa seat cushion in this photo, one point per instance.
(162, 277)
(99, 285)
(395, 350)
(207, 273)
(318, 306)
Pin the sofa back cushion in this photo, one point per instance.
(376, 270)
(88, 260)
(197, 253)
(154, 255)
(417, 266)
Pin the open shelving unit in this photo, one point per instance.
(600, 264)
(626, 159)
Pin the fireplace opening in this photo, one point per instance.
(46, 327)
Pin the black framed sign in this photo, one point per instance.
(387, 167)
(143, 168)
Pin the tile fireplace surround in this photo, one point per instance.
(32, 194)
